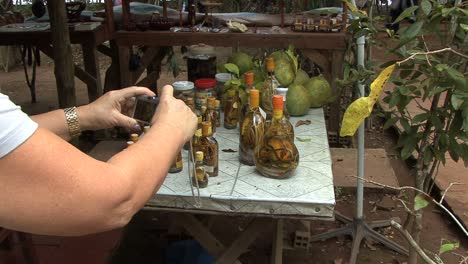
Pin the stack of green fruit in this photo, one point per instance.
(303, 92)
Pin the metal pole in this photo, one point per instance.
(361, 41)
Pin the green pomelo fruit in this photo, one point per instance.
(243, 61)
(319, 91)
(297, 100)
(279, 55)
(301, 77)
(284, 72)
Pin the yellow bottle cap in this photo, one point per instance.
(198, 133)
(254, 98)
(270, 64)
(199, 156)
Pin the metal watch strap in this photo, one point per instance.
(72, 121)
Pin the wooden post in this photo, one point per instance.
(164, 8)
(110, 17)
(126, 14)
(63, 61)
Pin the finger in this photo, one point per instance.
(167, 91)
(134, 91)
(127, 122)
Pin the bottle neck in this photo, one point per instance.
(277, 114)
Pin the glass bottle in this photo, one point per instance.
(134, 137)
(282, 92)
(269, 87)
(249, 81)
(211, 114)
(209, 146)
(251, 130)
(177, 165)
(203, 112)
(218, 112)
(277, 156)
(231, 110)
(196, 141)
(200, 174)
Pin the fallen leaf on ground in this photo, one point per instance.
(229, 150)
(303, 122)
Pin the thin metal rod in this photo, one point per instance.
(360, 166)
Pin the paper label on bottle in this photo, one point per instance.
(262, 113)
(234, 105)
(178, 164)
(209, 169)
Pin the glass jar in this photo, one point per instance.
(221, 79)
(205, 88)
(184, 90)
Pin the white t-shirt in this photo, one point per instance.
(15, 126)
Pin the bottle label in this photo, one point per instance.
(209, 169)
(262, 113)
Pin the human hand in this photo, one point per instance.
(112, 109)
(173, 113)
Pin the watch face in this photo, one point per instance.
(145, 107)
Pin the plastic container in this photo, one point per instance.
(201, 62)
(205, 88)
(221, 79)
(184, 90)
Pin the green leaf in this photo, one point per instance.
(303, 139)
(406, 151)
(457, 101)
(394, 100)
(407, 13)
(232, 68)
(456, 76)
(447, 11)
(405, 124)
(420, 202)
(405, 73)
(426, 7)
(464, 26)
(390, 122)
(448, 247)
(412, 31)
(421, 117)
(293, 57)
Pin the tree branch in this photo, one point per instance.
(412, 243)
(402, 188)
(446, 190)
(431, 52)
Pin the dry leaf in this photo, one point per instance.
(303, 122)
(229, 150)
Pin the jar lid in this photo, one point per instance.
(278, 102)
(183, 85)
(223, 77)
(199, 155)
(205, 83)
(282, 91)
(201, 49)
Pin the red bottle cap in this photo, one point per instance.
(277, 102)
(249, 78)
(205, 83)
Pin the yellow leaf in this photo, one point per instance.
(378, 84)
(356, 113)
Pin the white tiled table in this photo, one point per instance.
(308, 194)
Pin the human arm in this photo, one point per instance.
(109, 110)
(50, 187)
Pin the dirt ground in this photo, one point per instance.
(146, 237)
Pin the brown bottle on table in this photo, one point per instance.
(200, 177)
(209, 146)
(249, 81)
(231, 110)
(251, 130)
(211, 114)
(269, 87)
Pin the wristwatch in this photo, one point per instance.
(72, 121)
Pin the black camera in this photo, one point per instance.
(145, 107)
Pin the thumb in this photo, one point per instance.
(167, 91)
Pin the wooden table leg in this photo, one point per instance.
(336, 73)
(277, 247)
(91, 66)
(125, 74)
(247, 237)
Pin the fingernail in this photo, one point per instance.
(136, 127)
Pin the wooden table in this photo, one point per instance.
(325, 49)
(308, 194)
(39, 35)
